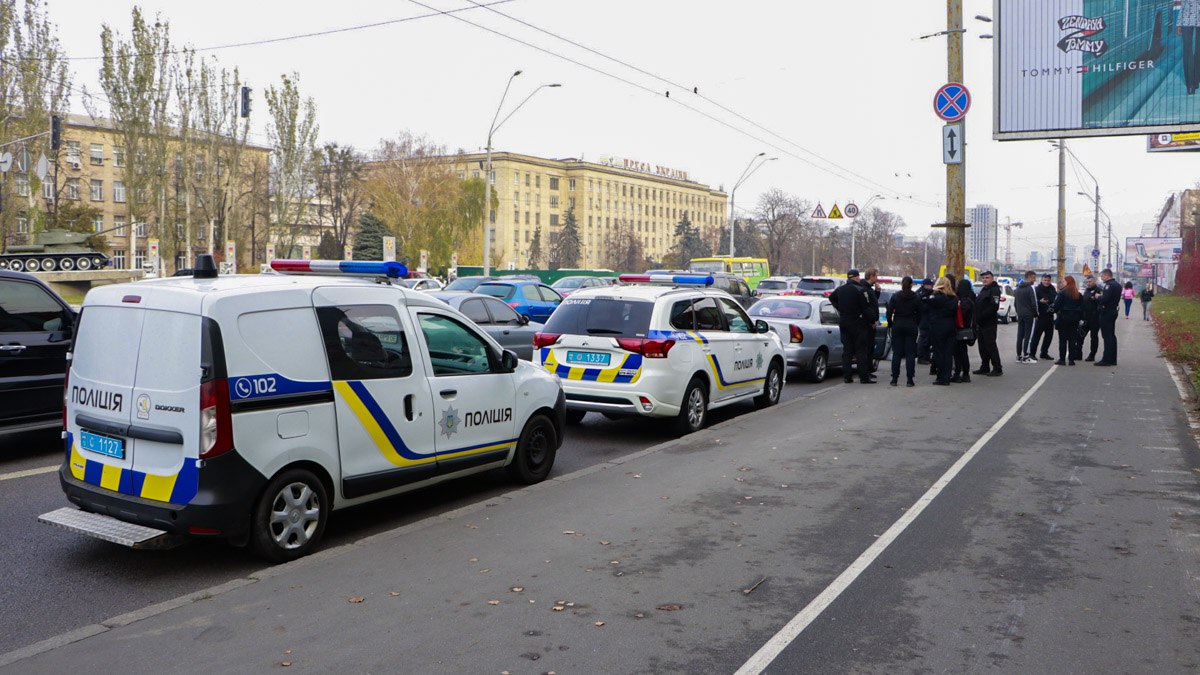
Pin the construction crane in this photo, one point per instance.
(1008, 228)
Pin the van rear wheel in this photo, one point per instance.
(290, 517)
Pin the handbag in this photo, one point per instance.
(964, 334)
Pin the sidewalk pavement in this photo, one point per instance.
(689, 556)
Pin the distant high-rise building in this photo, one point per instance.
(983, 236)
(1035, 259)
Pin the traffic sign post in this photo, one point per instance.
(952, 145)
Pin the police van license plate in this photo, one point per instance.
(588, 358)
(102, 445)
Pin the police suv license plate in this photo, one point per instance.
(588, 358)
(102, 445)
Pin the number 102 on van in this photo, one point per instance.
(245, 387)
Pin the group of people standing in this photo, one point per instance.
(1075, 313)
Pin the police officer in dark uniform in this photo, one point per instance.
(852, 300)
(1091, 316)
(987, 316)
(1110, 307)
(924, 346)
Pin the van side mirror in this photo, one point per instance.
(509, 361)
(762, 326)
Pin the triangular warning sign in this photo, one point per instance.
(1087, 270)
(819, 213)
(835, 212)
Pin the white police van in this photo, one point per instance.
(249, 407)
(666, 346)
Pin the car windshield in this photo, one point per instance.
(817, 284)
(601, 316)
(501, 291)
(781, 309)
(569, 282)
(464, 284)
(772, 285)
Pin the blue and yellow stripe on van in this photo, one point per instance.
(178, 488)
(388, 440)
(619, 375)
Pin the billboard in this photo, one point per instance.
(1173, 142)
(1070, 68)
(1153, 250)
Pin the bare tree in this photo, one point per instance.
(292, 131)
(340, 193)
(624, 249)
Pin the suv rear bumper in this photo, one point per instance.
(228, 489)
(616, 402)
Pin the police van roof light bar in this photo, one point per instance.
(392, 270)
(670, 279)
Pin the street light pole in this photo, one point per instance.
(733, 204)
(487, 183)
(854, 230)
(1062, 209)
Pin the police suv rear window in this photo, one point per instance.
(601, 316)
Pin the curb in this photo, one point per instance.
(150, 611)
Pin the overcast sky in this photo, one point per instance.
(848, 81)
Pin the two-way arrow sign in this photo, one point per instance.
(952, 144)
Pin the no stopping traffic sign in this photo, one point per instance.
(952, 102)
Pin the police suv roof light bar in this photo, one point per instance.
(669, 279)
(391, 270)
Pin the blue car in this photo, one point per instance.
(532, 299)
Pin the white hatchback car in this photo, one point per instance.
(668, 347)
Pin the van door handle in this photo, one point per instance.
(449, 393)
(408, 407)
(17, 349)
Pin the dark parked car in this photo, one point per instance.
(467, 284)
(35, 335)
(497, 319)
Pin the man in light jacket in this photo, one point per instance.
(1026, 304)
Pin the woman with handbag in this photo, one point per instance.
(1068, 313)
(941, 308)
(964, 336)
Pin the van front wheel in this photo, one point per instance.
(290, 517)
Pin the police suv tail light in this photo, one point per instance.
(216, 427)
(545, 339)
(651, 349)
(796, 333)
(646, 404)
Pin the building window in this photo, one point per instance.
(462, 175)
(526, 217)
(526, 180)
(554, 201)
(119, 191)
(141, 230)
(571, 184)
(118, 256)
(474, 174)
(516, 196)
(74, 152)
(139, 259)
(553, 220)
(180, 235)
(570, 202)
(97, 190)
(118, 156)
(119, 224)
(22, 185)
(198, 168)
(537, 218)
(72, 188)
(516, 216)
(492, 176)
(22, 224)
(98, 223)
(96, 154)
(553, 183)
(48, 188)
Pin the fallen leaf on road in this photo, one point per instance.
(517, 589)
(637, 475)
(471, 527)
(1122, 550)
(570, 604)
(357, 601)
(614, 562)
(286, 652)
(485, 570)
(472, 559)
(568, 531)
(285, 664)
(669, 607)
(604, 543)
(493, 602)
(639, 615)
(558, 608)
(394, 593)
(598, 623)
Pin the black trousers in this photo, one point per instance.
(904, 348)
(1069, 342)
(1044, 327)
(942, 337)
(1108, 329)
(854, 343)
(1191, 57)
(924, 345)
(962, 359)
(989, 352)
(1093, 330)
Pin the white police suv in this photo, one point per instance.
(250, 407)
(664, 346)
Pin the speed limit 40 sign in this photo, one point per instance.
(851, 210)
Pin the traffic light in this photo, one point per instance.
(245, 101)
(55, 132)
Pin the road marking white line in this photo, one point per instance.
(29, 472)
(769, 651)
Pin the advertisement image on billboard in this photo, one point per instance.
(1153, 250)
(1069, 68)
(1189, 142)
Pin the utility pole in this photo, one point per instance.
(1062, 209)
(956, 174)
(1096, 239)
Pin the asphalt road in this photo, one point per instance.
(55, 581)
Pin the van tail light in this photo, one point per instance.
(797, 334)
(545, 339)
(216, 423)
(651, 349)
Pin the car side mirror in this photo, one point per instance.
(509, 361)
(762, 326)
(523, 320)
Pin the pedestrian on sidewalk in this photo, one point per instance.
(1110, 308)
(965, 333)
(924, 346)
(1147, 300)
(904, 318)
(1068, 311)
(1045, 319)
(1091, 316)
(987, 320)
(1025, 300)
(1127, 296)
(851, 300)
(942, 306)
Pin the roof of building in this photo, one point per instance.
(108, 124)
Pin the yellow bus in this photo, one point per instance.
(753, 270)
(970, 272)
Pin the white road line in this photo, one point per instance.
(769, 651)
(29, 472)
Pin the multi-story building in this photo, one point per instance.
(983, 235)
(535, 193)
(90, 171)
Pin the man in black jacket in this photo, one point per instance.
(853, 301)
(924, 346)
(1091, 315)
(1110, 305)
(1045, 294)
(987, 318)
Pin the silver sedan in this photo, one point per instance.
(808, 327)
(497, 319)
